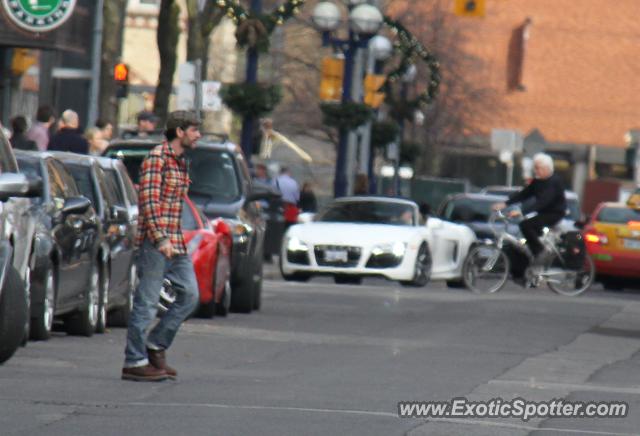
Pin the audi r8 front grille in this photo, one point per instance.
(337, 255)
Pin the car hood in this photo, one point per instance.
(351, 234)
(214, 210)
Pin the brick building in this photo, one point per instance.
(566, 73)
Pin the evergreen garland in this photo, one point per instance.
(254, 31)
(251, 99)
(349, 115)
(384, 133)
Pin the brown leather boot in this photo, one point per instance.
(144, 373)
(158, 359)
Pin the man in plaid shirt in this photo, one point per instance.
(164, 181)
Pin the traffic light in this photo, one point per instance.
(121, 77)
(332, 75)
(372, 95)
(469, 8)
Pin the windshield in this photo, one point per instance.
(82, 176)
(213, 175)
(573, 208)
(29, 168)
(370, 212)
(131, 158)
(618, 215)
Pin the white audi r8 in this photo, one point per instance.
(356, 237)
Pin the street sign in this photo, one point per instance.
(506, 140)
(469, 8)
(38, 15)
(186, 97)
(211, 100)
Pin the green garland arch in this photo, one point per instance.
(254, 30)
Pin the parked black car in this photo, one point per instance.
(222, 187)
(116, 267)
(474, 210)
(64, 276)
(16, 242)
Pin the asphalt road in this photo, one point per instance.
(322, 359)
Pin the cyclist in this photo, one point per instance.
(546, 197)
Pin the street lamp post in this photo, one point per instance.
(408, 78)
(380, 49)
(249, 121)
(364, 22)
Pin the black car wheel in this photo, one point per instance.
(42, 319)
(13, 314)
(84, 322)
(103, 306)
(243, 293)
(422, 269)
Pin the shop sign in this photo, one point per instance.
(38, 15)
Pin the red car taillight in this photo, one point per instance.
(594, 237)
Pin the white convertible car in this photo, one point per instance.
(375, 236)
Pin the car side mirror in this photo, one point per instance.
(34, 188)
(76, 205)
(13, 185)
(119, 214)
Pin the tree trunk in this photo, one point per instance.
(114, 14)
(167, 39)
(201, 24)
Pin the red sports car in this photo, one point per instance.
(209, 245)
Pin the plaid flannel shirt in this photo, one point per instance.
(164, 181)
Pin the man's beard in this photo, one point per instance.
(187, 143)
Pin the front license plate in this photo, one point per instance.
(336, 256)
(634, 244)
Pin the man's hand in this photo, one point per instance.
(166, 249)
(514, 213)
(499, 206)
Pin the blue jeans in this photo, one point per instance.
(152, 268)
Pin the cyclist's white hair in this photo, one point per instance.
(544, 159)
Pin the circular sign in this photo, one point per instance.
(39, 15)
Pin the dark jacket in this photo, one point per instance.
(308, 202)
(547, 194)
(21, 142)
(69, 140)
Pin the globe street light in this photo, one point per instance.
(364, 21)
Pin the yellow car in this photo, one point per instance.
(612, 237)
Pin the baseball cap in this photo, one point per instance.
(182, 119)
(147, 116)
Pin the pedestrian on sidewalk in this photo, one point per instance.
(162, 253)
(39, 131)
(308, 202)
(69, 138)
(19, 139)
(290, 191)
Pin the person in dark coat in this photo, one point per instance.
(68, 138)
(19, 138)
(308, 202)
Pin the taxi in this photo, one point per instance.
(612, 237)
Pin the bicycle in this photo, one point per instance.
(488, 266)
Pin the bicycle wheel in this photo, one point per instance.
(570, 282)
(485, 270)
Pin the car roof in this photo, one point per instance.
(148, 144)
(74, 158)
(477, 196)
(378, 198)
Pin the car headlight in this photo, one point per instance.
(193, 244)
(396, 248)
(295, 244)
(239, 230)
